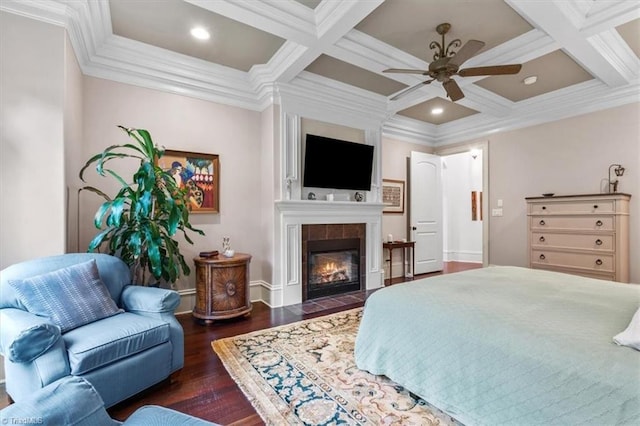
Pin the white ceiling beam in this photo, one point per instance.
(332, 27)
(551, 17)
(289, 20)
(605, 15)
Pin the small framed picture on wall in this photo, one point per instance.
(393, 196)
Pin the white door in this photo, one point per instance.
(425, 211)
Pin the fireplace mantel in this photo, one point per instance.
(292, 214)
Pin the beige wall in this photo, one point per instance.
(570, 156)
(32, 189)
(183, 123)
(73, 158)
(395, 155)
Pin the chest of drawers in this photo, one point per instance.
(580, 234)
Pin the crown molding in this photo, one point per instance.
(564, 103)
(323, 98)
(410, 130)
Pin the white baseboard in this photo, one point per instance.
(463, 256)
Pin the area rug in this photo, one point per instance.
(305, 374)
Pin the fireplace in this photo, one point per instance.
(333, 267)
(333, 259)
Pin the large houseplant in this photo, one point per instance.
(141, 221)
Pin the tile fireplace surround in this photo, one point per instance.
(292, 214)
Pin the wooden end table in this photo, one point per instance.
(404, 245)
(222, 287)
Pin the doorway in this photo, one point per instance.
(477, 173)
(463, 199)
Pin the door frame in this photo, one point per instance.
(484, 147)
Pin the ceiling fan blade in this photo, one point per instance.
(406, 71)
(469, 49)
(490, 70)
(453, 90)
(410, 89)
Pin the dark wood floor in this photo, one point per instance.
(203, 388)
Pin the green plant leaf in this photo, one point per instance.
(98, 239)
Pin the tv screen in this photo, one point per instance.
(337, 164)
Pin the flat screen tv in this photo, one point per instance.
(337, 164)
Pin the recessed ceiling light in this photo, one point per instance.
(437, 111)
(200, 33)
(530, 80)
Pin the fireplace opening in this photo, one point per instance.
(333, 267)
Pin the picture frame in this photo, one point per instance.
(200, 173)
(393, 196)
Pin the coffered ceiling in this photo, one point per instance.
(584, 54)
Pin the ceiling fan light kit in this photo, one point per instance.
(446, 64)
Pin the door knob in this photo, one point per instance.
(413, 228)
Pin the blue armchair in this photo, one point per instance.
(72, 401)
(120, 355)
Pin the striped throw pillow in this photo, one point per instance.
(69, 297)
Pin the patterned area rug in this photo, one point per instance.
(305, 373)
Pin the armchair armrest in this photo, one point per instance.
(70, 400)
(149, 299)
(25, 336)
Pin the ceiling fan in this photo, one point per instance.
(446, 64)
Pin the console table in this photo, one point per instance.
(404, 245)
(222, 287)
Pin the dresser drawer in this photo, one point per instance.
(583, 223)
(579, 241)
(594, 262)
(581, 272)
(573, 207)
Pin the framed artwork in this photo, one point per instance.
(200, 173)
(393, 196)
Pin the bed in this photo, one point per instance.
(508, 346)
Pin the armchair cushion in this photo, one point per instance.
(69, 297)
(33, 342)
(111, 339)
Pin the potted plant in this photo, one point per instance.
(141, 221)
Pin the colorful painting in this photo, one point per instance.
(200, 173)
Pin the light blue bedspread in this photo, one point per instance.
(508, 346)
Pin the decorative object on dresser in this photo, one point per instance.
(580, 234)
(222, 287)
(619, 171)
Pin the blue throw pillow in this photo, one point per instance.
(69, 297)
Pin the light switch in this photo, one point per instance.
(496, 212)
(499, 203)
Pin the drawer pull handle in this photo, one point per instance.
(544, 207)
(595, 206)
(541, 239)
(599, 223)
(598, 262)
(598, 242)
(542, 257)
(542, 222)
